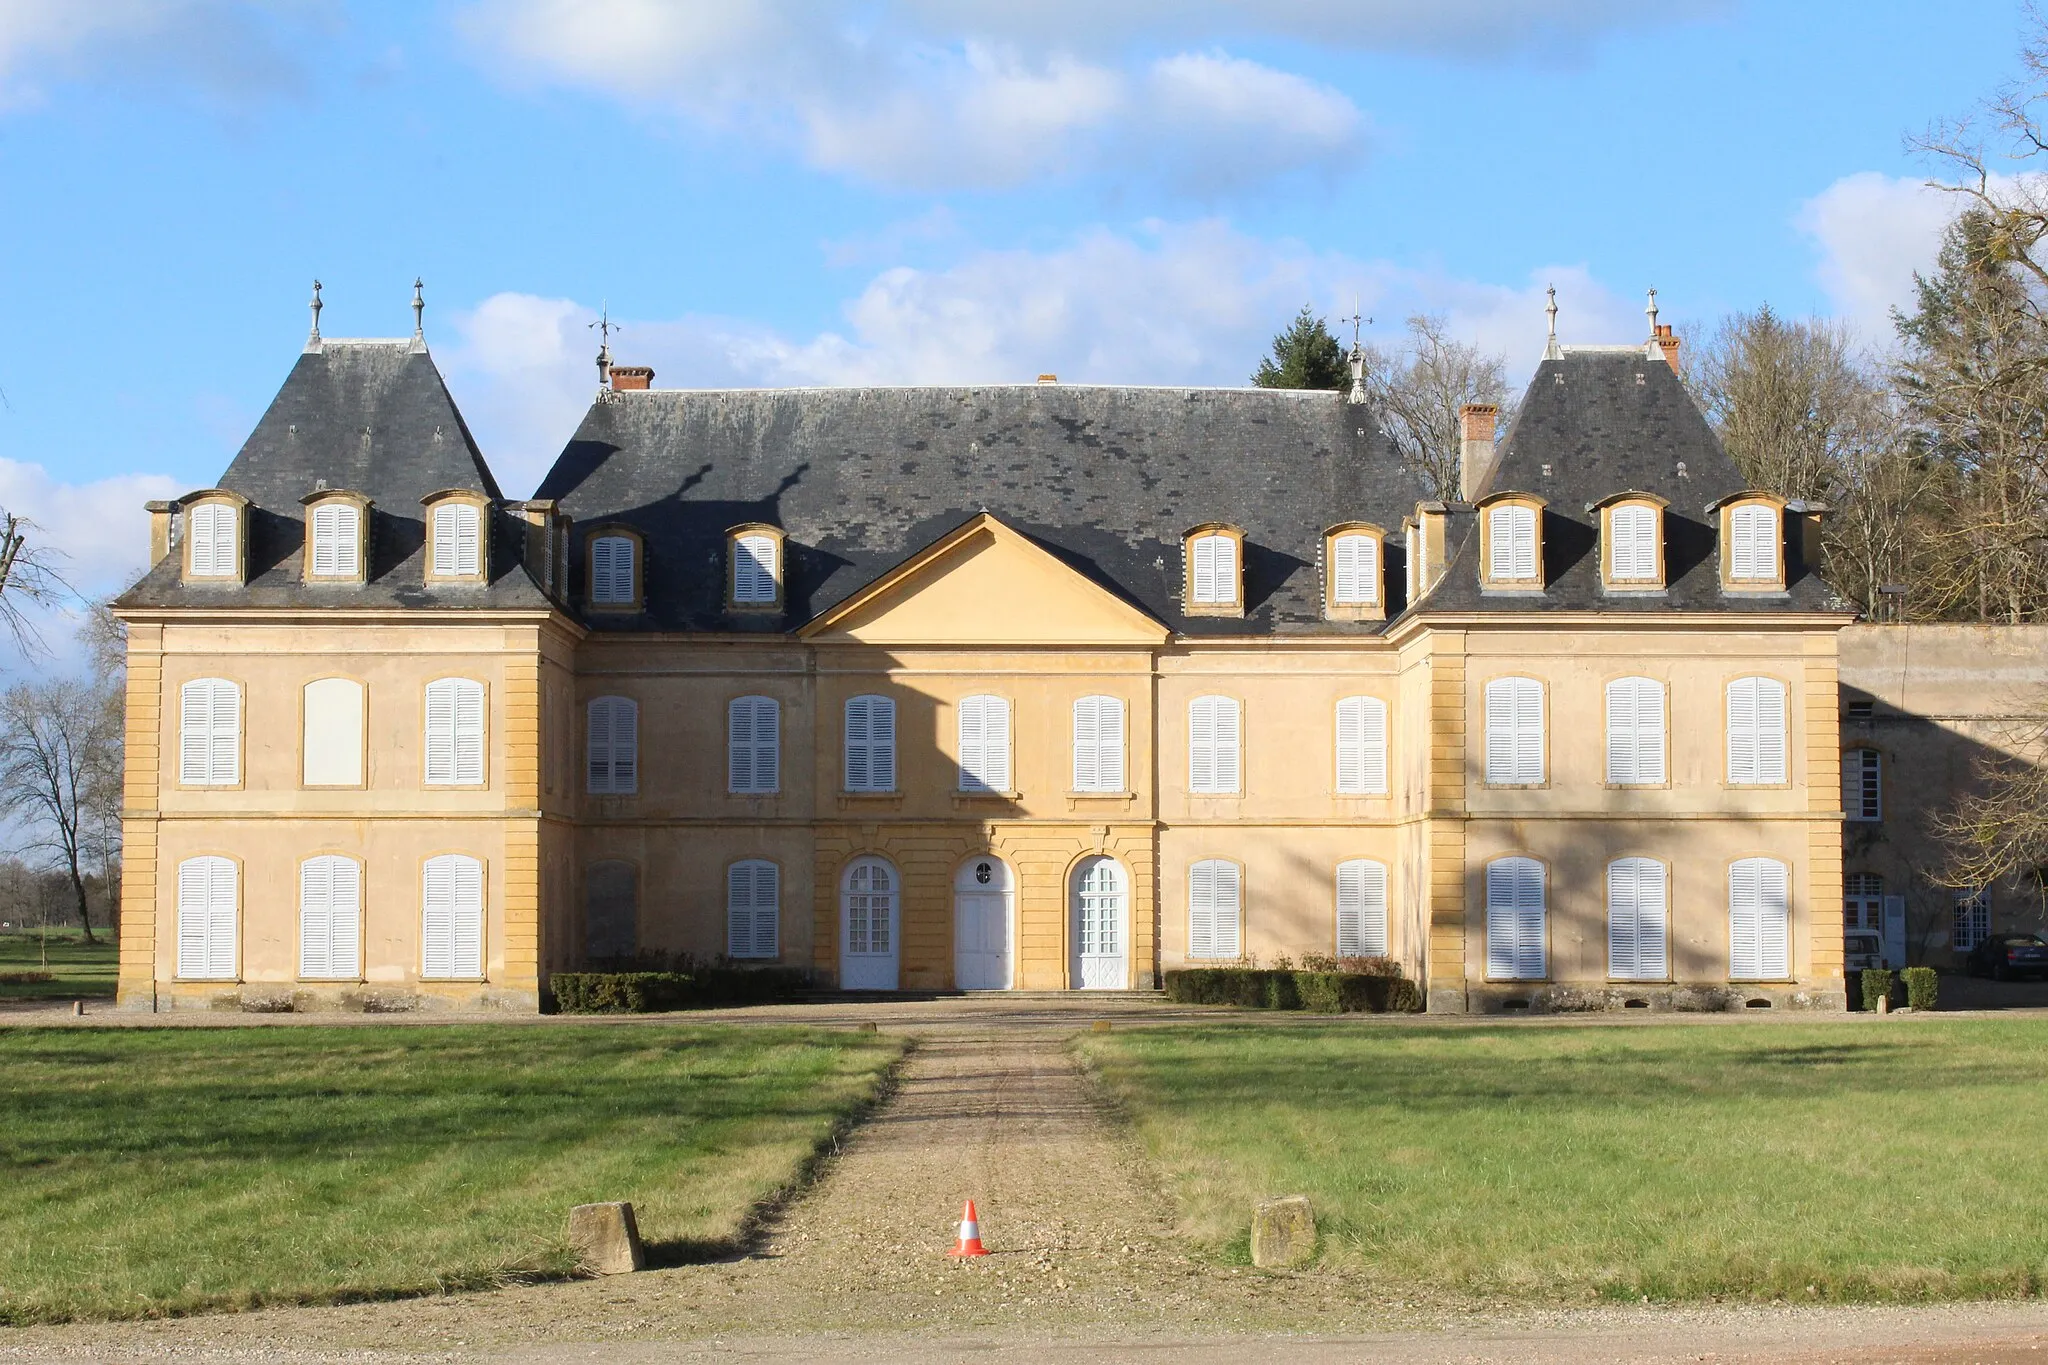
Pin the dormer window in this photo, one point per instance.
(1215, 578)
(1511, 541)
(615, 569)
(335, 550)
(455, 537)
(1752, 542)
(214, 523)
(1632, 542)
(754, 572)
(1354, 555)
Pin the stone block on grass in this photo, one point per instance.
(1283, 1232)
(606, 1238)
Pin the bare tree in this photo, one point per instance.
(54, 738)
(1416, 393)
(28, 579)
(2000, 831)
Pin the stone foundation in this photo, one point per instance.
(338, 999)
(1656, 998)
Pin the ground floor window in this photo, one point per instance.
(207, 897)
(1361, 909)
(1514, 920)
(1973, 920)
(452, 918)
(1638, 913)
(753, 904)
(330, 918)
(1215, 909)
(1759, 920)
(611, 911)
(1863, 901)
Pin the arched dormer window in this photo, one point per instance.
(753, 575)
(457, 541)
(335, 543)
(1511, 541)
(1632, 542)
(1752, 541)
(216, 536)
(1215, 571)
(613, 573)
(1354, 559)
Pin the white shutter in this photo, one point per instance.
(1361, 746)
(334, 541)
(1213, 745)
(1098, 744)
(209, 733)
(206, 919)
(1759, 920)
(1754, 529)
(753, 744)
(752, 903)
(614, 745)
(440, 737)
(599, 745)
(1213, 909)
(870, 744)
(1514, 732)
(1770, 730)
(330, 917)
(213, 527)
(1215, 569)
(455, 732)
(1514, 919)
(753, 569)
(1361, 909)
(984, 729)
(1355, 570)
(611, 569)
(452, 918)
(1756, 732)
(457, 540)
(1511, 537)
(1635, 731)
(1636, 919)
(1633, 555)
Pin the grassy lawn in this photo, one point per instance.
(162, 1171)
(1877, 1160)
(78, 970)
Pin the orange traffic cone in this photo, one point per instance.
(970, 1234)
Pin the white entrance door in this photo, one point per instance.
(867, 927)
(1101, 926)
(982, 900)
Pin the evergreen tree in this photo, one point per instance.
(1305, 356)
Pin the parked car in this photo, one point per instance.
(2005, 956)
(1862, 950)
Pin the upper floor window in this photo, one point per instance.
(1213, 737)
(331, 733)
(1514, 732)
(1752, 541)
(1863, 785)
(756, 557)
(1099, 744)
(1353, 554)
(984, 730)
(1759, 920)
(1215, 909)
(1756, 732)
(1361, 908)
(613, 576)
(208, 897)
(331, 918)
(1634, 543)
(614, 746)
(209, 733)
(458, 535)
(753, 745)
(1513, 553)
(753, 905)
(1215, 580)
(455, 733)
(452, 918)
(1361, 746)
(1635, 732)
(213, 531)
(337, 531)
(1515, 914)
(870, 744)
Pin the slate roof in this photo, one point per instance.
(860, 479)
(375, 418)
(1601, 421)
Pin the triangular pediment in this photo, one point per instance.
(985, 584)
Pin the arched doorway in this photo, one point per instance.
(870, 894)
(984, 902)
(1101, 926)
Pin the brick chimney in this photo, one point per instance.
(1048, 379)
(1668, 344)
(1475, 451)
(160, 515)
(626, 377)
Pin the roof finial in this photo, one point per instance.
(1357, 357)
(1652, 311)
(605, 327)
(1552, 351)
(313, 338)
(419, 311)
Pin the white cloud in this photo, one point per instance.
(1191, 303)
(228, 50)
(1873, 232)
(98, 530)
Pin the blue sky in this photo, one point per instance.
(828, 191)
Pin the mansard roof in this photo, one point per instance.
(372, 417)
(1599, 421)
(860, 479)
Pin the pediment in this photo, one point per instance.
(985, 584)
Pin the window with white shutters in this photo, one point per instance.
(1756, 732)
(455, 733)
(1514, 920)
(1213, 569)
(209, 733)
(207, 901)
(212, 527)
(458, 540)
(1635, 732)
(1361, 747)
(753, 901)
(1638, 913)
(1511, 543)
(753, 569)
(614, 746)
(611, 571)
(337, 535)
(1215, 909)
(611, 911)
(331, 918)
(1514, 732)
(870, 744)
(1099, 744)
(753, 745)
(1972, 920)
(452, 919)
(984, 731)
(1632, 548)
(1354, 570)
(1759, 920)
(1863, 784)
(1213, 739)
(1361, 909)
(1753, 532)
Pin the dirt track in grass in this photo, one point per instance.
(1085, 1268)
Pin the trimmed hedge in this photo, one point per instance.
(1316, 992)
(1877, 984)
(657, 992)
(1923, 987)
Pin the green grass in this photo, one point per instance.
(78, 970)
(168, 1170)
(1857, 1161)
